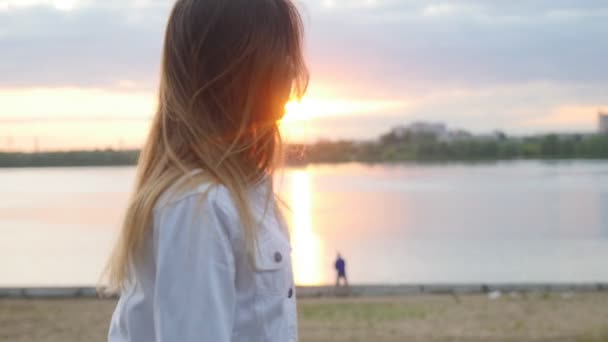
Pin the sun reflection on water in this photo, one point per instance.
(307, 246)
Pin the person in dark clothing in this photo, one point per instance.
(341, 270)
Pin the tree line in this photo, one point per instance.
(388, 148)
(426, 147)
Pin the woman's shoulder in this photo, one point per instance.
(191, 203)
(195, 186)
(191, 213)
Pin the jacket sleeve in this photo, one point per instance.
(194, 296)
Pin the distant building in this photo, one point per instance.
(399, 131)
(603, 122)
(436, 129)
(455, 135)
(493, 136)
(461, 134)
(420, 127)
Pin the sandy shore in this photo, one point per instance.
(578, 317)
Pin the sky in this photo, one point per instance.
(83, 73)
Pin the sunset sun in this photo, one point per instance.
(301, 116)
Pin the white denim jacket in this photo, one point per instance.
(195, 282)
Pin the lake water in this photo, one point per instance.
(505, 222)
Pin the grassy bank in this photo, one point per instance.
(535, 317)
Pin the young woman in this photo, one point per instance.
(203, 254)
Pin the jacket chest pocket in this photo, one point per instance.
(273, 267)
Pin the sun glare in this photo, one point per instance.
(301, 114)
(307, 246)
(313, 107)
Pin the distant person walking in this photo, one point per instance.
(341, 270)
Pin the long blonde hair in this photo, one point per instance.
(228, 68)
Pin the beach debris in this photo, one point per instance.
(494, 295)
(567, 295)
(514, 295)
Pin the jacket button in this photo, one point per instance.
(290, 293)
(278, 257)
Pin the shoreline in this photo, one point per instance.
(293, 158)
(351, 291)
(429, 162)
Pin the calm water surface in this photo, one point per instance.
(505, 222)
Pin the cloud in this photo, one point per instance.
(32, 103)
(396, 43)
(87, 47)
(521, 109)
(473, 63)
(440, 9)
(567, 117)
(477, 44)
